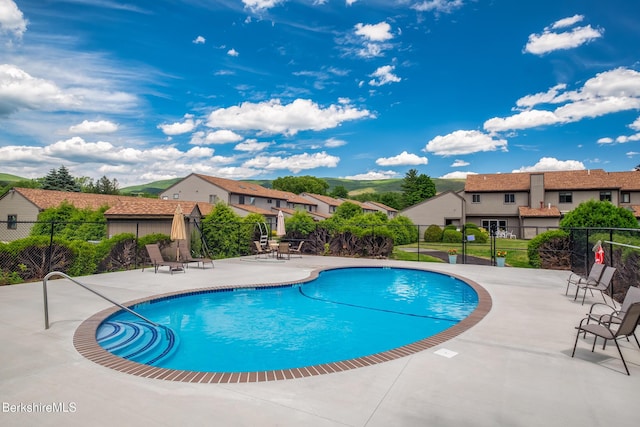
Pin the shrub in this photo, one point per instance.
(403, 230)
(300, 223)
(551, 241)
(480, 235)
(597, 214)
(433, 233)
(451, 236)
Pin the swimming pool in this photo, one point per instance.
(342, 318)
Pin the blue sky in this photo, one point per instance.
(362, 89)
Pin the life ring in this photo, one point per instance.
(600, 255)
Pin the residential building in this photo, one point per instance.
(528, 203)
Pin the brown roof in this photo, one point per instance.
(154, 207)
(558, 180)
(251, 189)
(254, 209)
(324, 199)
(382, 206)
(44, 199)
(552, 212)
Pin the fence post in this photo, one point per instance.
(50, 252)
(135, 261)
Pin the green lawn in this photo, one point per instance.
(516, 251)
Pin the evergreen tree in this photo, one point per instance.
(416, 188)
(60, 180)
(340, 192)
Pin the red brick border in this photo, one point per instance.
(84, 340)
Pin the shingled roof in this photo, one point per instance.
(251, 189)
(45, 199)
(559, 180)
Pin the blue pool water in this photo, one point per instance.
(342, 314)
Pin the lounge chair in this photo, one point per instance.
(601, 286)
(185, 256)
(592, 278)
(628, 324)
(283, 249)
(158, 260)
(297, 250)
(613, 315)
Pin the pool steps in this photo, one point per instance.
(137, 341)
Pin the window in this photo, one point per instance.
(269, 201)
(176, 196)
(241, 200)
(213, 199)
(252, 200)
(475, 198)
(277, 203)
(566, 197)
(499, 224)
(509, 198)
(605, 195)
(626, 197)
(12, 222)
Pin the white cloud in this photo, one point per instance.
(530, 101)
(199, 40)
(383, 75)
(464, 142)
(222, 136)
(402, 159)
(350, 2)
(272, 117)
(19, 90)
(295, 163)
(100, 126)
(376, 33)
(372, 175)
(567, 22)
(608, 92)
(11, 19)
(438, 6)
(457, 175)
(636, 124)
(552, 164)
(550, 41)
(233, 52)
(458, 163)
(179, 128)
(251, 145)
(259, 5)
(333, 143)
(523, 120)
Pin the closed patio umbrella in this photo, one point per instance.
(178, 231)
(280, 230)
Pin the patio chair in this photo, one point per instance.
(593, 277)
(628, 324)
(158, 260)
(297, 250)
(185, 256)
(613, 315)
(260, 250)
(283, 249)
(601, 286)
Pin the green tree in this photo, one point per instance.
(301, 184)
(222, 231)
(347, 210)
(300, 222)
(60, 180)
(339, 192)
(416, 188)
(597, 214)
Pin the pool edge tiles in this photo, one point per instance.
(84, 341)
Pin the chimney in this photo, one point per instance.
(541, 204)
(549, 206)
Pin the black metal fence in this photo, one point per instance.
(29, 250)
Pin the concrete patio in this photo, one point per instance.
(512, 369)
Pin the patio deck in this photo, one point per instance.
(513, 368)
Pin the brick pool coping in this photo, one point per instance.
(84, 340)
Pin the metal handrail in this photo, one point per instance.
(58, 273)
